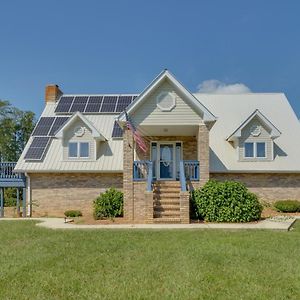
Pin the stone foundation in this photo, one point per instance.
(268, 187)
(53, 194)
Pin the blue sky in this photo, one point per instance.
(119, 46)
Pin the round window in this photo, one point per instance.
(79, 131)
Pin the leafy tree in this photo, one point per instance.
(15, 129)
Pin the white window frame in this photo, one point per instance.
(254, 150)
(78, 150)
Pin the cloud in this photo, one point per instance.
(214, 86)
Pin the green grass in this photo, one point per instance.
(37, 263)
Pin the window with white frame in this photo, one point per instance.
(254, 150)
(79, 150)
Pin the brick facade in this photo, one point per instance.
(269, 187)
(53, 194)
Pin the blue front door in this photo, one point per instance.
(166, 161)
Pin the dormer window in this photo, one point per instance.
(79, 150)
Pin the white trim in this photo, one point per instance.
(193, 101)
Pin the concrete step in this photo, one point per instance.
(166, 195)
(167, 189)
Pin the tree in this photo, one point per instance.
(15, 129)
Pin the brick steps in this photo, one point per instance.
(166, 202)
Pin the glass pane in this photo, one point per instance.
(72, 149)
(84, 149)
(166, 161)
(249, 151)
(261, 150)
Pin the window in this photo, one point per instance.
(79, 150)
(84, 149)
(73, 149)
(249, 150)
(260, 149)
(255, 150)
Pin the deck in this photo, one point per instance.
(9, 178)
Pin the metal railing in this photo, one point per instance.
(7, 171)
(143, 171)
(191, 169)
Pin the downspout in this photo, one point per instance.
(28, 195)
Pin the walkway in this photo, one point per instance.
(278, 223)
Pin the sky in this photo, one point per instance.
(120, 46)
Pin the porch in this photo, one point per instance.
(157, 182)
(10, 179)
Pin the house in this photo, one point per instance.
(168, 142)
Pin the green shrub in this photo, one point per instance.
(108, 205)
(227, 201)
(10, 202)
(73, 213)
(287, 206)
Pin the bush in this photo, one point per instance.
(227, 201)
(73, 213)
(109, 205)
(10, 202)
(289, 206)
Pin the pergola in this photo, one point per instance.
(8, 178)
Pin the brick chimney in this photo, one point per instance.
(52, 93)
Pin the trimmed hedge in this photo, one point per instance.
(73, 213)
(109, 205)
(227, 201)
(289, 206)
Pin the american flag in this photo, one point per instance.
(136, 135)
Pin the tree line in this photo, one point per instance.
(15, 129)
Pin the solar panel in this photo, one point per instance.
(117, 131)
(109, 104)
(37, 148)
(43, 126)
(64, 104)
(59, 121)
(94, 104)
(79, 103)
(123, 102)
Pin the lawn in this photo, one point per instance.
(37, 263)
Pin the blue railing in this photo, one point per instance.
(191, 169)
(7, 171)
(182, 176)
(143, 171)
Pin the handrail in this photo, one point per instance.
(150, 176)
(182, 176)
(7, 171)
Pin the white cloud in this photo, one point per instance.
(214, 86)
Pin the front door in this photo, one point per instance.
(166, 166)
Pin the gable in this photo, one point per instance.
(70, 132)
(158, 109)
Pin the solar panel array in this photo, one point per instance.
(42, 135)
(94, 104)
(117, 131)
(37, 148)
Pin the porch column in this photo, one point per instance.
(24, 203)
(128, 150)
(1, 202)
(203, 153)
